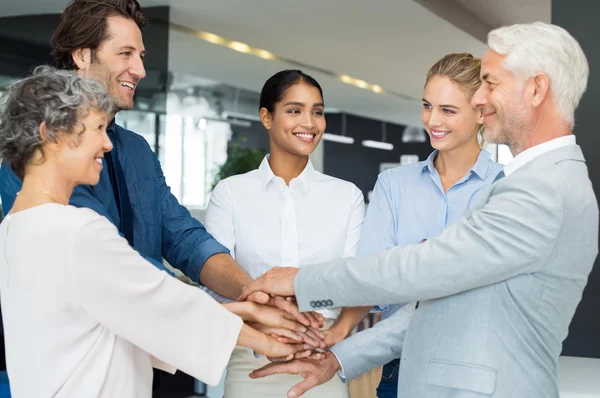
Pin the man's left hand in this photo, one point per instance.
(278, 281)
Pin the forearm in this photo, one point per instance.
(349, 318)
(224, 276)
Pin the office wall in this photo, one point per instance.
(580, 18)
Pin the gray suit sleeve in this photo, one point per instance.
(512, 234)
(375, 346)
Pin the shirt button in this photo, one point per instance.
(330, 303)
(313, 304)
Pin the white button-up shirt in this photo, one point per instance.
(265, 223)
(529, 154)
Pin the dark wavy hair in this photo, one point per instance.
(83, 24)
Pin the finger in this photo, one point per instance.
(286, 333)
(314, 321)
(259, 297)
(253, 287)
(281, 359)
(317, 356)
(303, 354)
(292, 367)
(312, 334)
(312, 340)
(292, 309)
(303, 387)
(285, 340)
(318, 333)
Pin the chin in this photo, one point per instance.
(91, 181)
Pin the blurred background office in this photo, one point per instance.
(207, 60)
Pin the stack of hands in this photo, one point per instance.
(290, 339)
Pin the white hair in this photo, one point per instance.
(541, 47)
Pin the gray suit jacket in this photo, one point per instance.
(498, 288)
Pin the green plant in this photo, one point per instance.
(239, 160)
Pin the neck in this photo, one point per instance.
(458, 161)
(42, 184)
(543, 129)
(286, 165)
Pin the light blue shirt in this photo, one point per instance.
(409, 204)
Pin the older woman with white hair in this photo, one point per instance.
(85, 314)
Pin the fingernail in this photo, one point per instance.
(308, 347)
(292, 394)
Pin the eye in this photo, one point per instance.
(294, 111)
(449, 111)
(426, 106)
(319, 112)
(126, 53)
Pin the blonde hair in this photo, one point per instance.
(464, 70)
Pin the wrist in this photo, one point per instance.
(332, 360)
(244, 310)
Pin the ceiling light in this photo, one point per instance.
(342, 139)
(265, 54)
(378, 145)
(237, 46)
(211, 38)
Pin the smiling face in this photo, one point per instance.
(448, 116)
(79, 154)
(297, 122)
(501, 101)
(118, 63)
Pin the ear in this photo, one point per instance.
(265, 118)
(541, 88)
(53, 145)
(82, 58)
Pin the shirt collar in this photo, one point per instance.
(529, 154)
(304, 179)
(112, 126)
(480, 168)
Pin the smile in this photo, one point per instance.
(128, 85)
(439, 133)
(306, 137)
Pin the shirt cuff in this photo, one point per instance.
(340, 372)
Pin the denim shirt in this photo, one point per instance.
(409, 204)
(162, 228)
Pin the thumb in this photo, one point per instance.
(302, 387)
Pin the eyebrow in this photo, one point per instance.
(142, 53)
(318, 104)
(442, 106)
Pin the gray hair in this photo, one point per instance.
(51, 96)
(541, 47)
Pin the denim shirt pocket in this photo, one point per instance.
(462, 376)
(149, 200)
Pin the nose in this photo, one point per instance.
(434, 118)
(479, 100)
(137, 67)
(107, 144)
(307, 121)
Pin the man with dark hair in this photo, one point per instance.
(102, 40)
